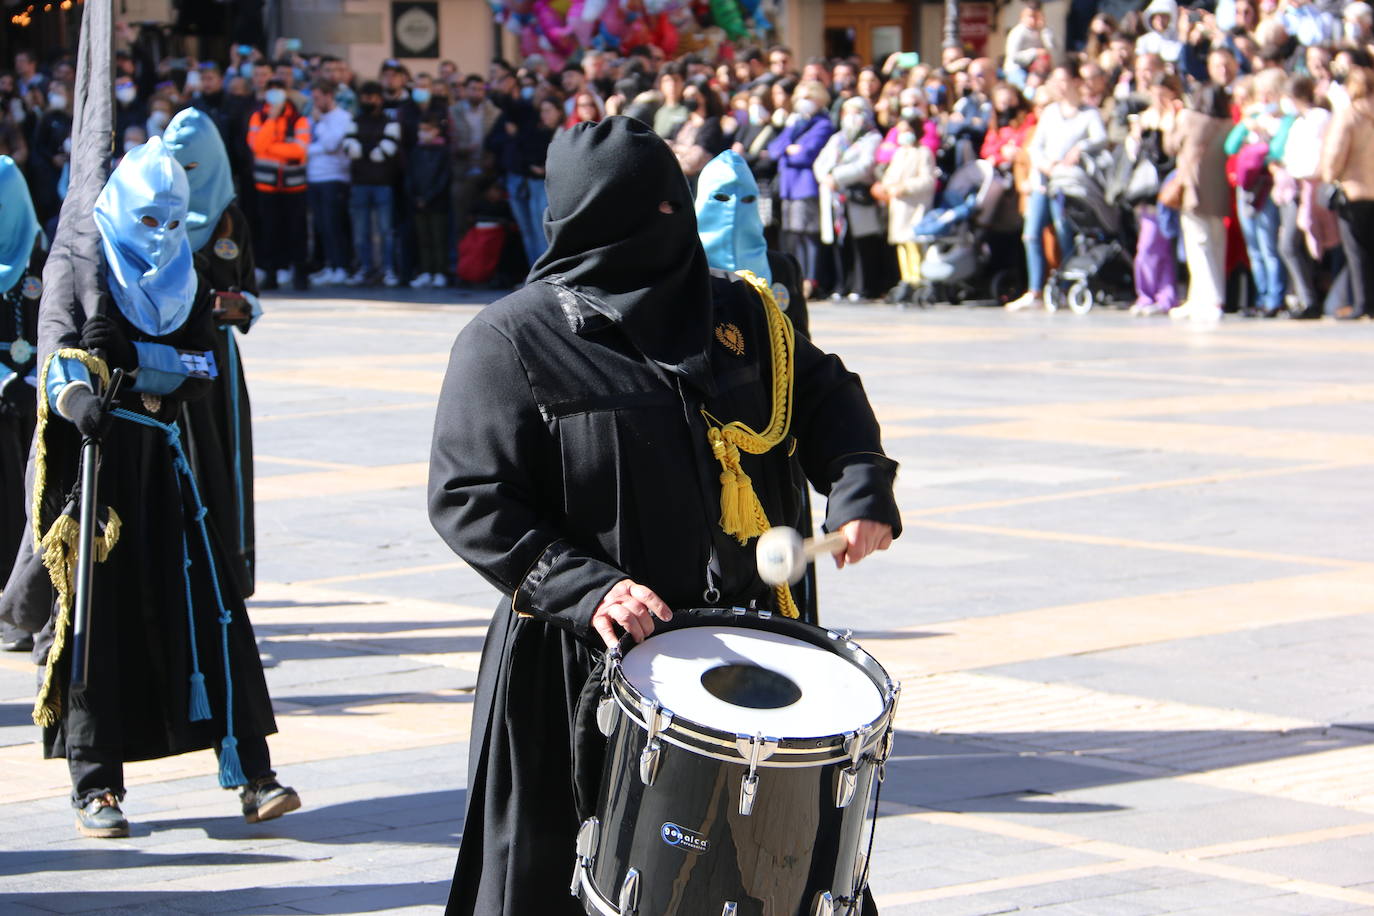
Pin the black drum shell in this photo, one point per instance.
(794, 845)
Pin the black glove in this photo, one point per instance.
(102, 333)
(83, 408)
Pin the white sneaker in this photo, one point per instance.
(261, 275)
(320, 276)
(391, 279)
(1206, 315)
(357, 278)
(438, 281)
(338, 277)
(421, 282)
(284, 277)
(1029, 300)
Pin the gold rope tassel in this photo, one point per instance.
(741, 513)
(58, 547)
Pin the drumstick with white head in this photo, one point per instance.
(782, 555)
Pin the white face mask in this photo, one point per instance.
(806, 108)
(1287, 107)
(906, 139)
(57, 101)
(193, 81)
(157, 120)
(852, 124)
(126, 94)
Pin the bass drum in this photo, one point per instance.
(743, 753)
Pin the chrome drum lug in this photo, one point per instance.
(629, 893)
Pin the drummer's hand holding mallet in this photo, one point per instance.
(782, 557)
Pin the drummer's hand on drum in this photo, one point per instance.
(632, 607)
(862, 537)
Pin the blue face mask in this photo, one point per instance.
(152, 277)
(728, 216)
(246, 70)
(195, 142)
(527, 93)
(420, 96)
(275, 96)
(18, 224)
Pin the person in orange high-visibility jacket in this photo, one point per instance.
(279, 137)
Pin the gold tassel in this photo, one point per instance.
(741, 513)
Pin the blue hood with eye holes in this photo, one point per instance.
(729, 225)
(194, 140)
(152, 276)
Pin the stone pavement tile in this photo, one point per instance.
(423, 896)
(1007, 783)
(11, 903)
(1346, 862)
(1208, 824)
(981, 906)
(1301, 904)
(1218, 893)
(1120, 905)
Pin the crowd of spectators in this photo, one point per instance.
(1240, 138)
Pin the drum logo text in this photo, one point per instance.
(674, 835)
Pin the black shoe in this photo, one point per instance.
(1311, 313)
(101, 818)
(299, 281)
(265, 798)
(16, 641)
(900, 293)
(269, 282)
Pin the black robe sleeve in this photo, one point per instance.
(492, 465)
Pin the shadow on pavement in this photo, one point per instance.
(371, 645)
(268, 901)
(362, 626)
(1014, 772)
(12, 714)
(419, 819)
(22, 863)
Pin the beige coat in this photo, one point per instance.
(1199, 143)
(910, 180)
(1348, 150)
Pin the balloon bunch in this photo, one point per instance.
(561, 29)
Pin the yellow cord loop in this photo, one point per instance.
(58, 547)
(741, 513)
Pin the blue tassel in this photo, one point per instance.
(200, 700)
(230, 772)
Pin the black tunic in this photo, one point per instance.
(563, 462)
(136, 703)
(220, 425)
(18, 320)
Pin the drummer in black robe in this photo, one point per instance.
(23, 249)
(173, 666)
(584, 427)
(220, 425)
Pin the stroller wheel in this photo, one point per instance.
(1081, 298)
(1053, 296)
(1004, 287)
(924, 297)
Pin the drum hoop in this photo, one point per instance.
(700, 738)
(591, 895)
(706, 743)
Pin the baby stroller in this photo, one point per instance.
(954, 235)
(1100, 268)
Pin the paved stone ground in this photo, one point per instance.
(1133, 611)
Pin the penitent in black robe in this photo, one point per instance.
(565, 461)
(220, 425)
(136, 705)
(18, 321)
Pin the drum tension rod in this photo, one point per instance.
(754, 749)
(587, 836)
(656, 719)
(848, 780)
(605, 707)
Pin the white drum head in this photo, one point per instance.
(747, 681)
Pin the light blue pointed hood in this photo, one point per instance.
(152, 276)
(728, 216)
(194, 140)
(18, 224)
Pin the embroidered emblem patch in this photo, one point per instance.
(781, 296)
(33, 287)
(227, 249)
(730, 338)
(21, 351)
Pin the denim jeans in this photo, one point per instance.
(1260, 226)
(1041, 210)
(528, 200)
(367, 202)
(328, 205)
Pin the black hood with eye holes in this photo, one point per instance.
(643, 269)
